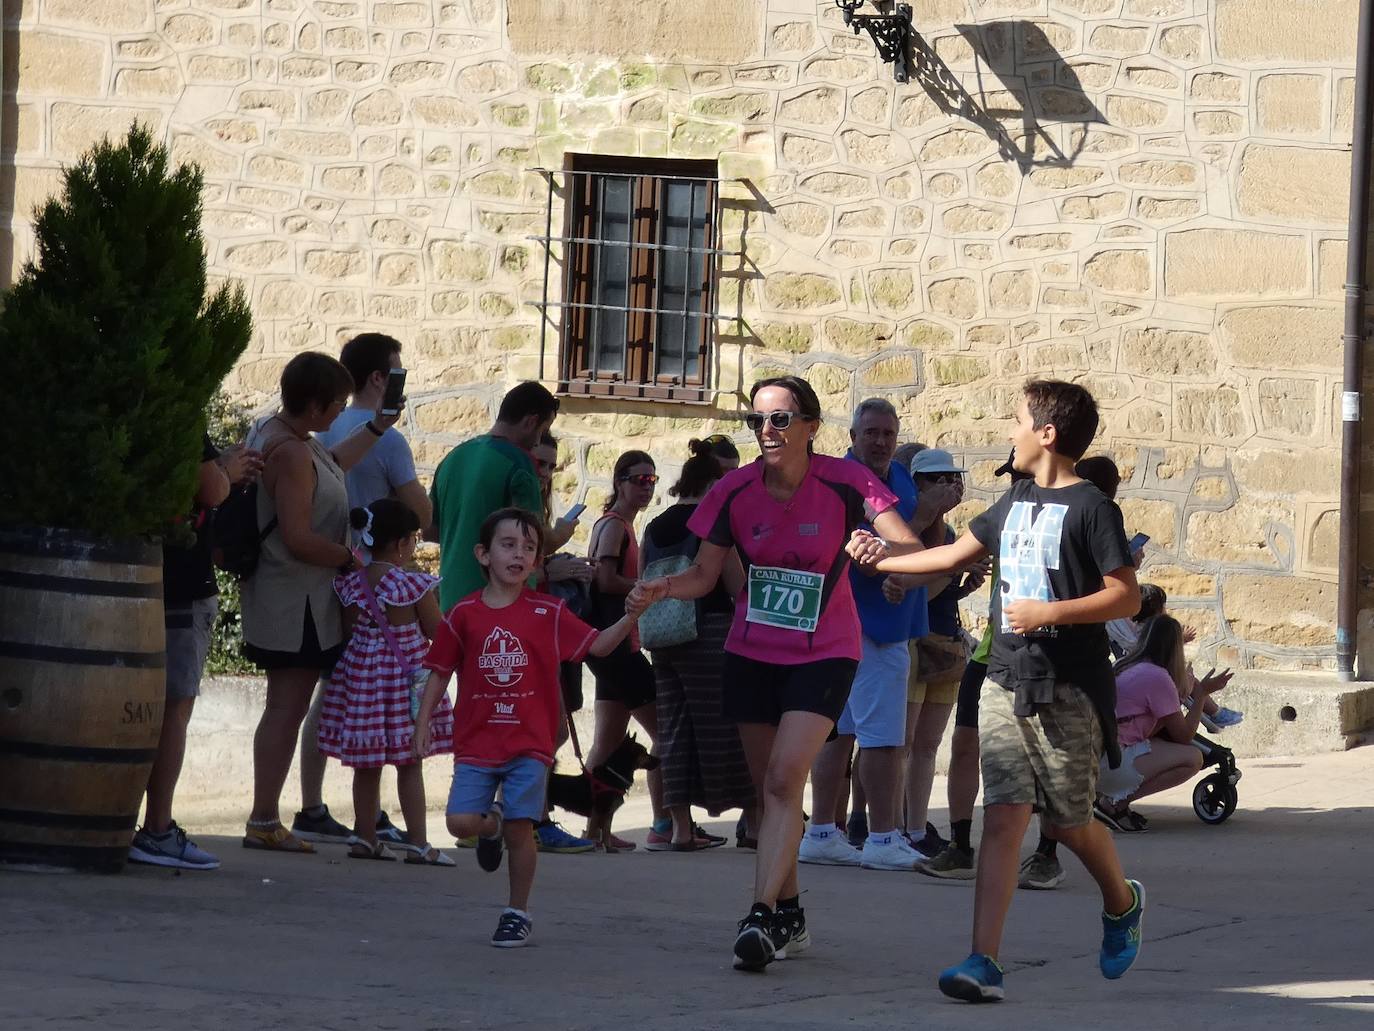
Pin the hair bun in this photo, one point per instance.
(357, 518)
(698, 447)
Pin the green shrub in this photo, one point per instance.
(112, 350)
(228, 424)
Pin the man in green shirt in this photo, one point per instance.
(482, 475)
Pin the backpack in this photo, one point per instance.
(671, 621)
(235, 540)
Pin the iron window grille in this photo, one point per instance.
(640, 262)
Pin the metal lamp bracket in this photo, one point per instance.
(891, 34)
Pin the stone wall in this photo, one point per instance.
(1147, 196)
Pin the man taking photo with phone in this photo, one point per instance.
(387, 471)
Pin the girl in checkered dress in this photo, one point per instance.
(366, 721)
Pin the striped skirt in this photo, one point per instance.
(702, 761)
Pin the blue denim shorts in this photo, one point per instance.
(522, 781)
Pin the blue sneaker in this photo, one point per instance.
(1225, 717)
(976, 979)
(1121, 936)
(550, 837)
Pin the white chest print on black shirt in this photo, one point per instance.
(1029, 550)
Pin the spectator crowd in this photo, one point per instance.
(789, 617)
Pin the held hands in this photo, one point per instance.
(644, 594)
(241, 464)
(977, 574)
(866, 549)
(1026, 615)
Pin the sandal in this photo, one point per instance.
(428, 855)
(273, 837)
(360, 849)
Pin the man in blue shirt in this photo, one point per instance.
(875, 715)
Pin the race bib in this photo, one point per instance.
(785, 598)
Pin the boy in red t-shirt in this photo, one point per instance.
(505, 642)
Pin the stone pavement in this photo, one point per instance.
(1265, 921)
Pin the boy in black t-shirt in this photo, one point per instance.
(1047, 711)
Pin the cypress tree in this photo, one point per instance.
(110, 349)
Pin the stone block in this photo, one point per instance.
(1288, 471)
(955, 144)
(1041, 242)
(736, 107)
(215, 163)
(838, 185)
(916, 111)
(1210, 414)
(1159, 353)
(455, 261)
(1183, 43)
(793, 37)
(1157, 172)
(1290, 105)
(1205, 263)
(313, 144)
(871, 105)
(957, 370)
(380, 107)
(155, 83)
(334, 264)
(1315, 31)
(1147, 77)
(927, 336)
(1136, 112)
(1120, 39)
(282, 298)
(802, 218)
(1240, 534)
(1331, 264)
(187, 31)
(1302, 184)
(443, 112)
(1167, 209)
(702, 139)
(216, 68)
(880, 151)
(393, 307)
(261, 256)
(1218, 87)
(814, 108)
(1288, 407)
(312, 69)
(788, 337)
(897, 370)
(968, 219)
(800, 291)
(1288, 611)
(455, 416)
(1012, 292)
(282, 103)
(806, 151)
(892, 290)
(1157, 518)
(76, 127)
(1094, 208)
(1283, 336)
(1121, 272)
(1067, 178)
(275, 169)
(956, 297)
(479, 80)
(859, 339)
(726, 32)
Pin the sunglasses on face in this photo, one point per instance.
(641, 480)
(779, 420)
(944, 477)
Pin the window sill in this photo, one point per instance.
(689, 395)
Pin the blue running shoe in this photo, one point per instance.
(1121, 936)
(550, 837)
(976, 979)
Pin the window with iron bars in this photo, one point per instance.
(640, 258)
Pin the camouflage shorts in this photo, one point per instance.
(1048, 761)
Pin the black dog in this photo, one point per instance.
(604, 791)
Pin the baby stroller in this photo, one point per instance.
(1215, 796)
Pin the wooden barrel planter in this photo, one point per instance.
(82, 686)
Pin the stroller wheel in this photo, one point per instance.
(1214, 799)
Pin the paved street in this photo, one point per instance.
(1265, 921)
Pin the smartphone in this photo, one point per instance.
(574, 512)
(395, 391)
(1139, 541)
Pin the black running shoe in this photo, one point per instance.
(489, 849)
(320, 826)
(790, 936)
(754, 948)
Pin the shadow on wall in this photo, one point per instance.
(9, 144)
(1020, 77)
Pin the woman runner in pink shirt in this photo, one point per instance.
(794, 642)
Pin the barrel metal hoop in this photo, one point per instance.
(82, 656)
(80, 585)
(71, 821)
(51, 543)
(76, 753)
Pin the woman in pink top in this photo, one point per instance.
(794, 641)
(1156, 735)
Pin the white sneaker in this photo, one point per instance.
(895, 855)
(828, 849)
